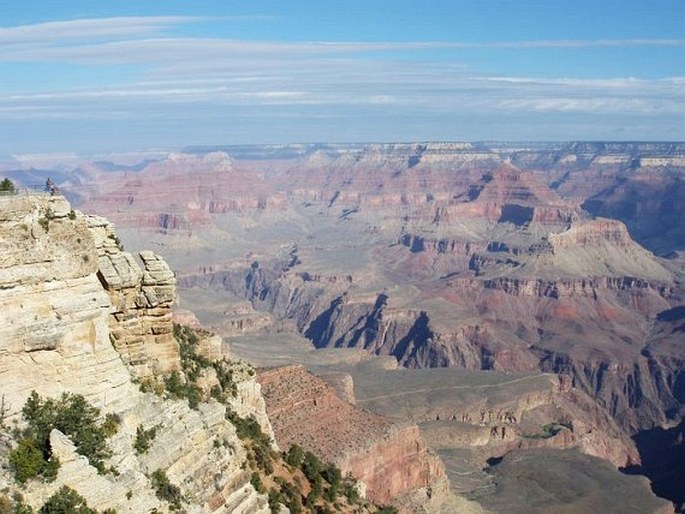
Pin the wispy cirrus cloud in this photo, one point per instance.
(199, 78)
(137, 39)
(97, 28)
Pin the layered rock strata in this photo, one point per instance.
(305, 410)
(55, 319)
(140, 320)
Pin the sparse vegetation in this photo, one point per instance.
(149, 385)
(5, 505)
(175, 386)
(295, 456)
(144, 439)
(7, 187)
(44, 221)
(282, 477)
(28, 461)
(387, 509)
(165, 490)
(193, 364)
(260, 454)
(17, 506)
(256, 481)
(549, 430)
(73, 416)
(66, 501)
(111, 424)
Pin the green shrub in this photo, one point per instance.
(225, 376)
(311, 466)
(275, 500)
(351, 492)
(73, 416)
(111, 424)
(27, 460)
(66, 501)
(332, 475)
(247, 428)
(7, 186)
(291, 495)
(144, 439)
(149, 385)
(216, 393)
(256, 481)
(165, 490)
(177, 389)
(174, 385)
(263, 458)
(295, 455)
(314, 493)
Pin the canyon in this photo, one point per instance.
(82, 316)
(420, 268)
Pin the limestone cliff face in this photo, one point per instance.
(53, 309)
(140, 319)
(305, 410)
(79, 315)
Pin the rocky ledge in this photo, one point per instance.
(391, 460)
(79, 315)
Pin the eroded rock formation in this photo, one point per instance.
(59, 288)
(140, 320)
(305, 410)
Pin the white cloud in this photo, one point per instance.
(192, 78)
(136, 40)
(67, 31)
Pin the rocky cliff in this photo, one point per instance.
(389, 459)
(65, 291)
(140, 320)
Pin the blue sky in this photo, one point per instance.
(108, 76)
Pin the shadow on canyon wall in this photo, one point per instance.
(663, 461)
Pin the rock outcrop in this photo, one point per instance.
(140, 320)
(54, 311)
(62, 286)
(305, 410)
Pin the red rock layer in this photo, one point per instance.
(305, 410)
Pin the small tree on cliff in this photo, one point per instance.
(73, 416)
(7, 187)
(295, 455)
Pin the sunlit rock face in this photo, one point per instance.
(81, 316)
(307, 411)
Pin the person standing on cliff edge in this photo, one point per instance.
(50, 186)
